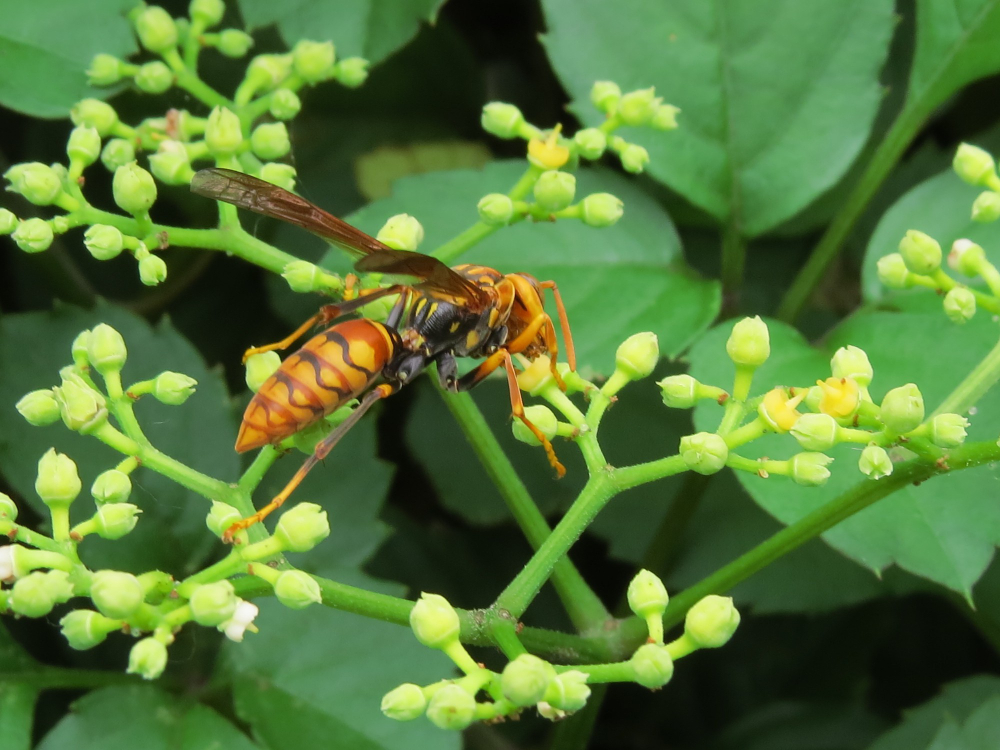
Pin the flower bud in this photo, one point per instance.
(704, 452)
(95, 114)
(105, 70)
(809, 469)
(547, 153)
(590, 142)
(207, 12)
(117, 153)
(647, 595)
(154, 77)
(852, 362)
(302, 528)
(815, 432)
(297, 589)
(84, 145)
(948, 430)
(959, 304)
(171, 163)
(282, 175)
(156, 29)
(893, 273)
(285, 104)
(173, 388)
(712, 621)
(111, 486)
(39, 407)
(568, 691)
(148, 659)
(8, 221)
(540, 416)
(451, 707)
(665, 117)
(966, 257)
(213, 603)
(81, 407)
(351, 72)
(222, 132)
(8, 511)
(434, 621)
(526, 679)
(133, 188)
(679, 391)
(749, 344)
(260, 367)
(115, 520)
(495, 209)
(778, 410)
(902, 409)
(634, 158)
(921, 252)
(270, 140)
(602, 210)
(974, 165)
(605, 95)
(116, 594)
(37, 593)
(221, 517)
(986, 207)
(536, 377)
(502, 120)
(652, 665)
(84, 628)
(33, 235)
(37, 182)
(637, 355)
(875, 462)
(106, 349)
(152, 269)
(404, 703)
(269, 71)
(313, 61)
(234, 43)
(58, 483)
(242, 621)
(637, 107)
(401, 232)
(78, 350)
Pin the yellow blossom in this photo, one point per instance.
(840, 396)
(778, 408)
(547, 153)
(537, 375)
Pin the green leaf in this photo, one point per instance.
(372, 29)
(945, 529)
(17, 700)
(639, 258)
(776, 98)
(142, 716)
(801, 726)
(171, 533)
(46, 46)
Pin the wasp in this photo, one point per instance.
(446, 312)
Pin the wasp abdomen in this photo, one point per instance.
(332, 368)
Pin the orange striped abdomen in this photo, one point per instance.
(332, 368)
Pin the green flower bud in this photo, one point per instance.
(893, 273)
(302, 528)
(647, 595)
(959, 304)
(712, 621)
(115, 520)
(39, 407)
(13, 562)
(590, 142)
(404, 703)
(115, 593)
(133, 188)
(222, 132)
(103, 241)
(540, 416)
(665, 117)
(637, 355)
(679, 391)
(81, 407)
(8, 511)
(902, 409)
(84, 145)
(95, 114)
(526, 679)
(451, 707)
(8, 221)
(106, 349)
(815, 432)
(221, 517)
(148, 659)
(152, 270)
(568, 691)
(234, 43)
(207, 12)
(637, 107)
(156, 29)
(974, 165)
(105, 70)
(84, 628)
(58, 482)
(173, 388)
(282, 175)
(213, 603)
(966, 257)
(297, 589)
(313, 61)
(78, 350)
(171, 163)
(37, 182)
(605, 95)
(921, 252)
(749, 344)
(496, 209)
(154, 77)
(634, 158)
(33, 235)
(602, 209)
(502, 120)
(302, 276)
(111, 486)
(37, 593)
(401, 232)
(285, 104)
(809, 469)
(241, 621)
(875, 462)
(652, 665)
(117, 153)
(704, 452)
(269, 71)
(852, 362)
(986, 207)
(270, 140)
(948, 430)
(260, 367)
(434, 621)
(351, 72)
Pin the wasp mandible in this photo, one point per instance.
(464, 311)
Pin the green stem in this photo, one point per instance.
(57, 678)
(976, 384)
(254, 474)
(188, 80)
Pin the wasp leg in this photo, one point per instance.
(563, 323)
(447, 371)
(321, 451)
(540, 320)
